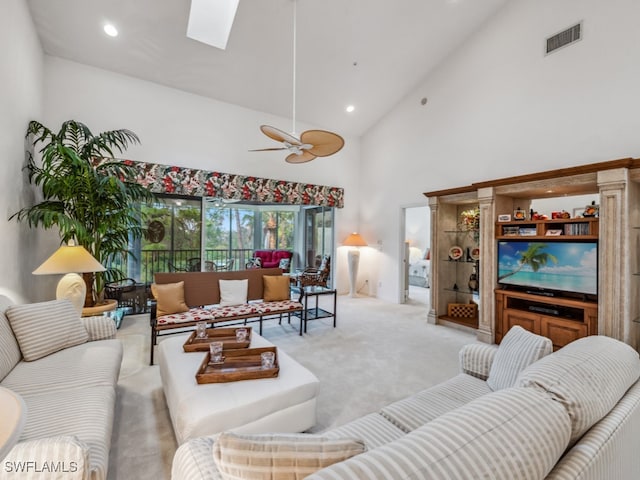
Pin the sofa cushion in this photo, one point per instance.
(87, 365)
(276, 288)
(519, 349)
(169, 298)
(279, 456)
(65, 452)
(243, 310)
(283, 306)
(193, 460)
(588, 377)
(9, 350)
(191, 316)
(513, 434)
(46, 327)
(233, 292)
(373, 429)
(86, 414)
(414, 411)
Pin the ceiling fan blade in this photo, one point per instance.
(324, 143)
(279, 135)
(268, 149)
(303, 157)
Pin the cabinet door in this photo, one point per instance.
(528, 321)
(562, 332)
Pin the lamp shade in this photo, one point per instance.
(69, 259)
(354, 240)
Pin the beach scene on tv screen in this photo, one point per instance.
(570, 266)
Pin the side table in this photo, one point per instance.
(314, 313)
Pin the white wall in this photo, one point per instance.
(20, 101)
(178, 128)
(498, 107)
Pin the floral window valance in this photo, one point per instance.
(203, 183)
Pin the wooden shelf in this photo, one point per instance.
(467, 322)
(573, 228)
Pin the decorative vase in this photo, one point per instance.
(473, 280)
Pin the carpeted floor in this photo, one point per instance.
(379, 353)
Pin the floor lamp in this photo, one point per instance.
(353, 256)
(70, 259)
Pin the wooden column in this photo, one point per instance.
(432, 316)
(488, 274)
(614, 311)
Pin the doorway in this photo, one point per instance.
(416, 258)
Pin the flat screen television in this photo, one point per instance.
(549, 267)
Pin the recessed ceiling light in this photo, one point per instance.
(110, 30)
(350, 108)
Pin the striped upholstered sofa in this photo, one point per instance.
(515, 412)
(65, 369)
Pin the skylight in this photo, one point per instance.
(210, 21)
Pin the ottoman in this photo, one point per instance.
(286, 403)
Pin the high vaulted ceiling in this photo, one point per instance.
(369, 53)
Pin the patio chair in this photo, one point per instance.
(311, 276)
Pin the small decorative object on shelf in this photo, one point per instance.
(505, 217)
(560, 215)
(470, 219)
(455, 252)
(539, 216)
(591, 210)
(473, 280)
(519, 214)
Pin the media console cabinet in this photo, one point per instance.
(561, 319)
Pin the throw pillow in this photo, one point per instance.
(169, 298)
(275, 288)
(519, 349)
(284, 264)
(279, 456)
(255, 262)
(233, 292)
(46, 327)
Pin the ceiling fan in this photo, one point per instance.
(312, 143)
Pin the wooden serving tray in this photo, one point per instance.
(225, 335)
(242, 364)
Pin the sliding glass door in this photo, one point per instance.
(202, 234)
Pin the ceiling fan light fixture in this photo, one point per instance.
(350, 108)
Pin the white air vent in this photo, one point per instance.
(564, 38)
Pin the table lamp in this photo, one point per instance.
(70, 259)
(354, 240)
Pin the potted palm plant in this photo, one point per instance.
(89, 195)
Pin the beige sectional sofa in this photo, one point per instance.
(66, 369)
(516, 411)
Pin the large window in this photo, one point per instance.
(174, 239)
(193, 234)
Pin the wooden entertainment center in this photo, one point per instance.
(563, 317)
